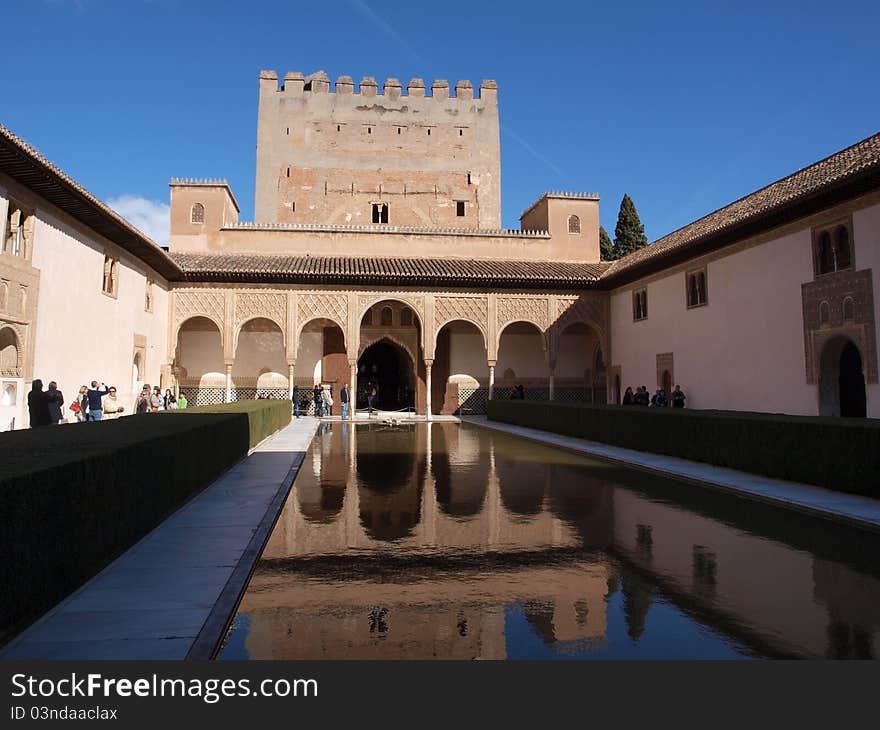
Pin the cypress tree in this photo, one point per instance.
(606, 247)
(629, 234)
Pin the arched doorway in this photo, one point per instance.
(199, 362)
(522, 362)
(259, 368)
(460, 380)
(842, 380)
(389, 368)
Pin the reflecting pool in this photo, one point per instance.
(456, 542)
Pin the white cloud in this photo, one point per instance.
(150, 216)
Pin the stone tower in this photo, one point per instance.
(351, 157)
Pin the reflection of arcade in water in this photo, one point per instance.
(440, 540)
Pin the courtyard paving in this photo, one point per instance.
(171, 594)
(849, 508)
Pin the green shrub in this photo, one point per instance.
(837, 453)
(74, 497)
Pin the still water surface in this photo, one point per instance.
(452, 541)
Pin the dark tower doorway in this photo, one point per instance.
(389, 368)
(852, 383)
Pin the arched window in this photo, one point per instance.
(8, 352)
(849, 309)
(386, 317)
(701, 287)
(824, 312)
(148, 297)
(406, 317)
(825, 254)
(4, 295)
(842, 248)
(368, 318)
(197, 213)
(574, 224)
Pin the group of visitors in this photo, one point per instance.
(518, 393)
(641, 397)
(153, 401)
(97, 402)
(322, 397)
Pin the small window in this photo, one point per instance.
(369, 130)
(640, 305)
(849, 309)
(148, 297)
(19, 227)
(197, 214)
(292, 206)
(288, 172)
(380, 213)
(825, 253)
(842, 252)
(429, 131)
(824, 312)
(338, 127)
(406, 317)
(386, 317)
(697, 293)
(469, 179)
(400, 130)
(107, 285)
(574, 224)
(459, 208)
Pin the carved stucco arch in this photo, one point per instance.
(302, 325)
(544, 335)
(175, 335)
(281, 326)
(392, 339)
(479, 327)
(368, 301)
(18, 343)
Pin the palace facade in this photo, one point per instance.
(377, 257)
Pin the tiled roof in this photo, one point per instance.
(849, 172)
(356, 270)
(26, 165)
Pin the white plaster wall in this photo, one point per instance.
(309, 357)
(258, 351)
(522, 353)
(81, 333)
(575, 355)
(745, 349)
(866, 246)
(201, 355)
(467, 355)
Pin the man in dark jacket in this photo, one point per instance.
(343, 398)
(94, 395)
(38, 405)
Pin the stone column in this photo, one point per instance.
(491, 378)
(352, 389)
(228, 382)
(428, 364)
(291, 367)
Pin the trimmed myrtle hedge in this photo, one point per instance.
(837, 453)
(74, 497)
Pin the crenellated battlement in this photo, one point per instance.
(295, 83)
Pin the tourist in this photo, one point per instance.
(182, 402)
(94, 395)
(644, 397)
(327, 400)
(295, 399)
(520, 392)
(143, 403)
(157, 402)
(112, 406)
(55, 403)
(371, 396)
(658, 400)
(678, 397)
(628, 397)
(170, 400)
(80, 405)
(319, 401)
(38, 405)
(343, 398)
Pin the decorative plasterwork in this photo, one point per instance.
(20, 331)
(416, 302)
(522, 309)
(323, 305)
(200, 303)
(270, 305)
(473, 309)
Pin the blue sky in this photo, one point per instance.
(686, 106)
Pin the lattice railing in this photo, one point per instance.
(472, 401)
(197, 396)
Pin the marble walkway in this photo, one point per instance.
(863, 512)
(170, 595)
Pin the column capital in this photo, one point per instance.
(491, 363)
(429, 361)
(291, 362)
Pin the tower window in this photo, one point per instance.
(197, 213)
(574, 224)
(833, 247)
(338, 127)
(380, 213)
(429, 131)
(459, 208)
